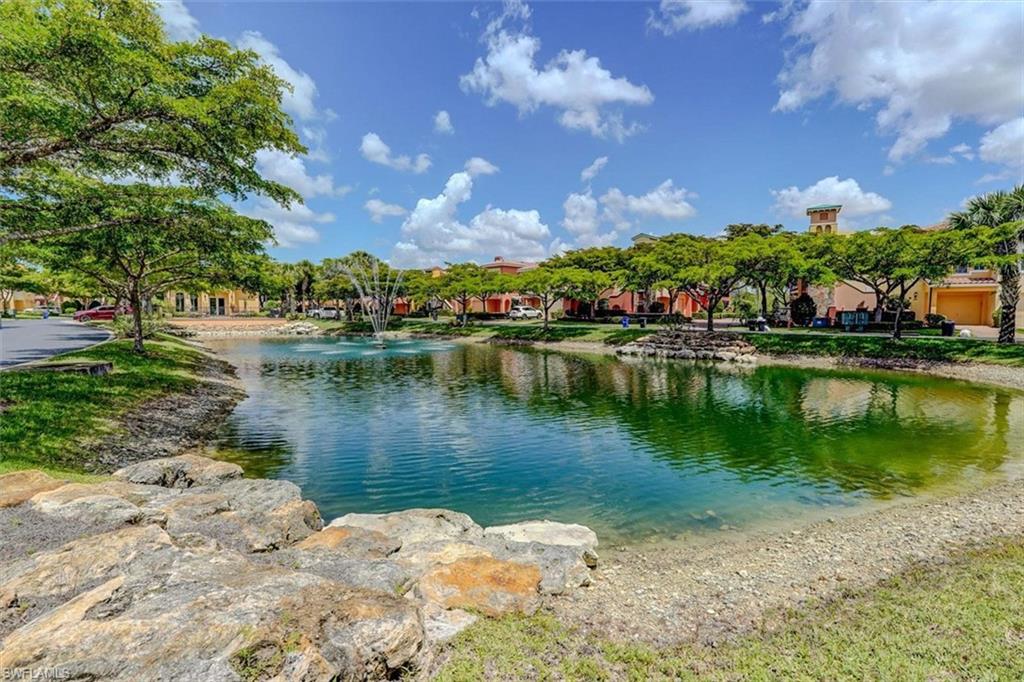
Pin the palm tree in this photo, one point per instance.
(1003, 212)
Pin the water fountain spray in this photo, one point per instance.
(377, 285)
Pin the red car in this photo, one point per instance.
(103, 312)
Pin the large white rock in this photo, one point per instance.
(550, 533)
(416, 525)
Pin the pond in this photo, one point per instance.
(636, 450)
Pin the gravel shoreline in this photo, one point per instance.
(710, 592)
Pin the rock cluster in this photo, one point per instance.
(692, 345)
(300, 329)
(179, 568)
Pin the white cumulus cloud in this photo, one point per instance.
(922, 65)
(379, 210)
(179, 24)
(443, 123)
(673, 16)
(433, 233)
(573, 82)
(597, 222)
(292, 226)
(591, 171)
(1004, 145)
(301, 100)
(290, 170)
(375, 150)
(478, 166)
(793, 201)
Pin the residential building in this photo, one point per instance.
(622, 301)
(501, 304)
(217, 302)
(969, 296)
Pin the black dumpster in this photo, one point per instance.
(948, 326)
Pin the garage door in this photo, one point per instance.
(962, 307)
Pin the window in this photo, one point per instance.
(179, 302)
(194, 300)
(961, 270)
(823, 216)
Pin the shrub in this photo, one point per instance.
(934, 319)
(151, 324)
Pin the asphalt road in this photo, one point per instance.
(28, 340)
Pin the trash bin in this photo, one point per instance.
(643, 323)
(948, 327)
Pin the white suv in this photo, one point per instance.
(524, 312)
(328, 312)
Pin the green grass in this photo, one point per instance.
(922, 348)
(46, 415)
(961, 621)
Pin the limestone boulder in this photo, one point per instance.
(253, 515)
(371, 574)
(416, 525)
(490, 586)
(352, 541)
(441, 625)
(183, 471)
(573, 535)
(19, 486)
(561, 567)
(213, 615)
(420, 557)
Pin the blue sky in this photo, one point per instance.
(706, 113)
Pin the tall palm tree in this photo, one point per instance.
(1003, 213)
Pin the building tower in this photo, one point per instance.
(824, 218)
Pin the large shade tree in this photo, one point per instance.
(1000, 215)
(711, 270)
(892, 262)
(173, 238)
(92, 91)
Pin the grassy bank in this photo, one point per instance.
(963, 620)
(919, 348)
(47, 414)
(532, 331)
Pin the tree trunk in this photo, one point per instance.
(135, 300)
(897, 326)
(711, 317)
(1009, 298)
(763, 286)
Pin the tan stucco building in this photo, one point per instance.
(969, 296)
(218, 302)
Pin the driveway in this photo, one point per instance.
(28, 340)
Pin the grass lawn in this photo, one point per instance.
(610, 334)
(45, 413)
(961, 621)
(919, 348)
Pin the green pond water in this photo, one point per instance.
(634, 449)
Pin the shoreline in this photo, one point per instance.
(709, 592)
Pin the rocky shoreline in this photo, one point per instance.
(168, 425)
(180, 568)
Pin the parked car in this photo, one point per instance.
(103, 312)
(524, 312)
(327, 312)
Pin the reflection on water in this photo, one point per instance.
(633, 449)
